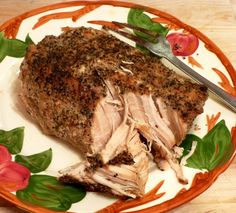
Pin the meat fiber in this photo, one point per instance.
(113, 103)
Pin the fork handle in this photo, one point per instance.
(228, 99)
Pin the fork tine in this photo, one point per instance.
(148, 32)
(129, 36)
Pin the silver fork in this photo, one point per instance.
(162, 49)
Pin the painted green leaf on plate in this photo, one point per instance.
(213, 150)
(13, 47)
(37, 162)
(28, 40)
(12, 139)
(138, 18)
(48, 192)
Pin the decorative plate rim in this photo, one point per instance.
(201, 181)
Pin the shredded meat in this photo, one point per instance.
(102, 95)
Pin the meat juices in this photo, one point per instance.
(113, 103)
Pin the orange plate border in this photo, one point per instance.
(202, 181)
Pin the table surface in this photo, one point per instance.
(217, 20)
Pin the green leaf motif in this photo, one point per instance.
(13, 47)
(213, 150)
(37, 162)
(138, 18)
(28, 40)
(12, 139)
(2, 48)
(48, 192)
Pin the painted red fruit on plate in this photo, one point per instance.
(4, 154)
(183, 44)
(13, 176)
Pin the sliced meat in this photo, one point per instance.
(101, 95)
(119, 179)
(142, 109)
(106, 120)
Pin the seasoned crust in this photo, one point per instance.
(63, 80)
(122, 158)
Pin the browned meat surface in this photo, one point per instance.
(100, 94)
